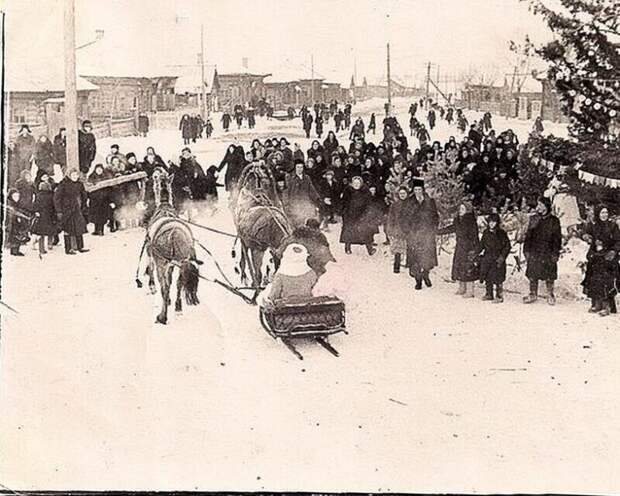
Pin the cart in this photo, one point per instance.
(315, 319)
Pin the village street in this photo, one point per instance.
(431, 393)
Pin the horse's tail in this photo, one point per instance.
(189, 283)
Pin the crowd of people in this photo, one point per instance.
(370, 188)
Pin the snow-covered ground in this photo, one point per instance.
(431, 393)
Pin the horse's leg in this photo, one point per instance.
(150, 271)
(162, 276)
(258, 256)
(178, 306)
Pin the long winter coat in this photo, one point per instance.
(394, 226)
(602, 277)
(495, 247)
(300, 199)
(70, 202)
(60, 151)
(542, 244)
(87, 145)
(99, 209)
(44, 156)
(357, 228)
(23, 151)
(420, 224)
(26, 193)
(467, 247)
(186, 126)
(45, 223)
(234, 162)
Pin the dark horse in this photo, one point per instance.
(260, 220)
(169, 244)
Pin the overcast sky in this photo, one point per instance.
(156, 35)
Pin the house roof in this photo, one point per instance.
(45, 81)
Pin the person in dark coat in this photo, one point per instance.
(44, 157)
(234, 161)
(356, 213)
(494, 247)
(329, 191)
(210, 187)
(300, 197)
(151, 161)
(60, 148)
(26, 190)
(208, 128)
(421, 220)
(226, 118)
(602, 270)
(143, 124)
(330, 145)
(195, 174)
(186, 127)
(287, 155)
(542, 245)
(99, 209)
(70, 201)
(23, 151)
(307, 123)
(464, 269)
(16, 224)
(372, 125)
(45, 216)
(87, 145)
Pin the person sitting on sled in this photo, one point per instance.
(294, 279)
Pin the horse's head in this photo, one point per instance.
(162, 180)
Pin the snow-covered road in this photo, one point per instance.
(431, 393)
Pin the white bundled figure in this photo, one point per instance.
(564, 205)
(293, 279)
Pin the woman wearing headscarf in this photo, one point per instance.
(465, 227)
(186, 126)
(393, 228)
(357, 228)
(301, 199)
(602, 270)
(234, 161)
(70, 202)
(494, 249)
(542, 245)
(330, 145)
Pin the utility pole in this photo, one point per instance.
(428, 78)
(312, 78)
(202, 72)
(389, 83)
(437, 78)
(70, 86)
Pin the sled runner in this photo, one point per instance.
(314, 319)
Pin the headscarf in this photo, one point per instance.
(294, 260)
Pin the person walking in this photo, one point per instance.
(357, 228)
(464, 269)
(542, 244)
(394, 226)
(420, 224)
(186, 127)
(494, 248)
(301, 199)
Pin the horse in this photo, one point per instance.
(169, 244)
(260, 220)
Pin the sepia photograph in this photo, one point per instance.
(310, 246)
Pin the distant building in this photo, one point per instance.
(122, 97)
(380, 89)
(241, 88)
(551, 106)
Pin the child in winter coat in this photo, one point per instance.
(495, 247)
(16, 224)
(393, 230)
(45, 216)
(210, 187)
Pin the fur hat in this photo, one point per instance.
(493, 218)
(418, 182)
(129, 155)
(546, 202)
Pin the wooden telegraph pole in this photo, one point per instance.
(71, 116)
(389, 83)
(312, 79)
(202, 72)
